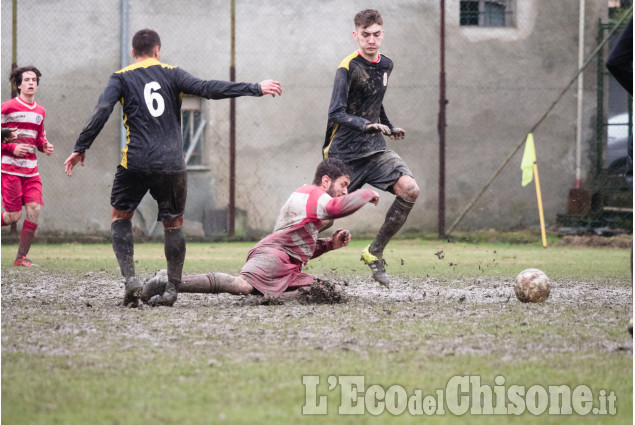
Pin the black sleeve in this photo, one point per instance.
(100, 115)
(339, 98)
(214, 89)
(383, 118)
(620, 62)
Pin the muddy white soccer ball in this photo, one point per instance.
(532, 286)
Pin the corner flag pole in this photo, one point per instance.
(473, 201)
(542, 216)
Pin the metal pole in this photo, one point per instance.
(14, 46)
(441, 126)
(578, 141)
(232, 127)
(14, 65)
(123, 58)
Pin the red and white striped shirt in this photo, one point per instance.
(300, 219)
(28, 118)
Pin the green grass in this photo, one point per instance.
(459, 260)
(72, 356)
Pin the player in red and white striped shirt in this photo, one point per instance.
(275, 264)
(21, 184)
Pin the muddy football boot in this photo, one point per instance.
(167, 298)
(376, 266)
(154, 286)
(133, 291)
(23, 262)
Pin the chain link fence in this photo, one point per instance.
(506, 62)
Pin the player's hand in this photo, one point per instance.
(72, 161)
(398, 133)
(8, 135)
(377, 128)
(47, 148)
(21, 149)
(375, 199)
(340, 238)
(270, 87)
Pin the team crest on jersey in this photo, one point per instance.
(38, 119)
(385, 79)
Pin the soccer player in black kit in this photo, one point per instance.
(150, 93)
(357, 124)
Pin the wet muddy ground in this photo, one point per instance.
(82, 318)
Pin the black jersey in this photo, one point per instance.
(150, 93)
(358, 93)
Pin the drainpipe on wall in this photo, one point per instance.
(578, 142)
(125, 17)
(232, 127)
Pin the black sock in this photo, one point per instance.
(123, 245)
(395, 218)
(174, 248)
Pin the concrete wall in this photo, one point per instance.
(500, 81)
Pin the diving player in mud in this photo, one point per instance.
(357, 124)
(275, 264)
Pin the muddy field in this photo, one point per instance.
(63, 315)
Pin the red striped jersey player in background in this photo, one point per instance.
(23, 133)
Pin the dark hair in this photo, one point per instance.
(16, 75)
(332, 167)
(368, 17)
(144, 41)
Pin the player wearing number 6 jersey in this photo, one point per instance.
(150, 93)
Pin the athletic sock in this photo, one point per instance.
(395, 219)
(26, 237)
(123, 245)
(174, 248)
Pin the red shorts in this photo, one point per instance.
(272, 271)
(17, 191)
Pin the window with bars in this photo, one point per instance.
(193, 130)
(484, 13)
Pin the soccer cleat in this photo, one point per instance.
(376, 265)
(23, 261)
(154, 286)
(133, 290)
(167, 298)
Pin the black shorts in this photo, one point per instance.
(169, 190)
(381, 170)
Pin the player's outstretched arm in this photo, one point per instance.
(270, 87)
(341, 206)
(72, 161)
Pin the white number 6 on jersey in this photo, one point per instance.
(151, 96)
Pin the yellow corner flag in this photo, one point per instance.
(530, 170)
(529, 158)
